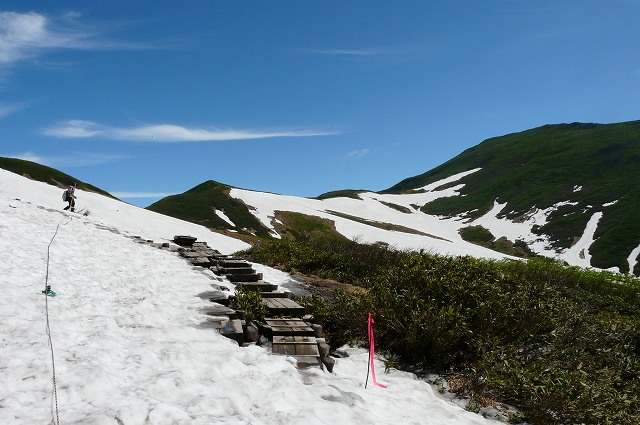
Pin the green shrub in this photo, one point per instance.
(251, 303)
(476, 234)
(561, 343)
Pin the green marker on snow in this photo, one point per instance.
(48, 292)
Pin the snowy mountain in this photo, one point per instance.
(560, 191)
(124, 342)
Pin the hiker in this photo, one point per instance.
(70, 197)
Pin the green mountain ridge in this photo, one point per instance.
(199, 205)
(587, 165)
(42, 173)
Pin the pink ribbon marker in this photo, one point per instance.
(371, 352)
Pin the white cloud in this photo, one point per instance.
(27, 35)
(349, 52)
(169, 133)
(372, 52)
(357, 154)
(73, 129)
(84, 159)
(28, 156)
(6, 110)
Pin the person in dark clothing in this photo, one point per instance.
(71, 197)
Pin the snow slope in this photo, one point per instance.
(439, 235)
(436, 234)
(130, 343)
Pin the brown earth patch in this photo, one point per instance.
(326, 287)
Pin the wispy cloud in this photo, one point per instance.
(26, 35)
(73, 159)
(169, 133)
(132, 195)
(74, 129)
(27, 156)
(398, 52)
(7, 109)
(357, 154)
(350, 52)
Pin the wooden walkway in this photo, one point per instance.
(285, 328)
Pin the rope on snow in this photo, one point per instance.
(47, 291)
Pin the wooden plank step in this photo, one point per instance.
(244, 277)
(234, 270)
(218, 257)
(201, 246)
(259, 286)
(295, 345)
(289, 327)
(283, 307)
(184, 240)
(230, 263)
(276, 295)
(200, 261)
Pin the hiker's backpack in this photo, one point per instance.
(65, 195)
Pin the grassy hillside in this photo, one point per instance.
(586, 164)
(199, 205)
(46, 174)
(562, 344)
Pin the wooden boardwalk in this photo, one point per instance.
(289, 333)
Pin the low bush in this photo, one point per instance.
(561, 343)
(251, 303)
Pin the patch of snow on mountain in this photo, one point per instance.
(439, 235)
(608, 204)
(579, 254)
(522, 229)
(223, 216)
(450, 179)
(633, 258)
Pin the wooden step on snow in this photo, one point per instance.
(233, 263)
(200, 261)
(233, 270)
(283, 307)
(272, 294)
(295, 345)
(244, 277)
(184, 240)
(289, 327)
(260, 286)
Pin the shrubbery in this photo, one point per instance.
(561, 343)
(251, 303)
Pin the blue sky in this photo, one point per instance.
(148, 98)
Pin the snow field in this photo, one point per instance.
(130, 344)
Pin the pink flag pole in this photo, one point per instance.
(371, 353)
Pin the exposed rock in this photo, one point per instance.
(251, 334)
